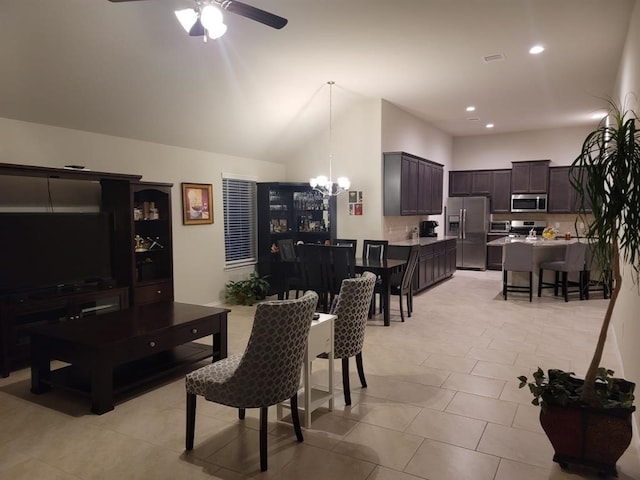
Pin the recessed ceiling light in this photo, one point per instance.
(489, 125)
(471, 108)
(536, 49)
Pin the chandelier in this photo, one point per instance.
(322, 183)
(205, 20)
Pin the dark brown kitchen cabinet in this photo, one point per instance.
(530, 176)
(436, 261)
(464, 183)
(412, 185)
(501, 191)
(561, 193)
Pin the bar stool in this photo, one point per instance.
(602, 282)
(574, 261)
(518, 257)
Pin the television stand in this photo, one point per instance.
(120, 350)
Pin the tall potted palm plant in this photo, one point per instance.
(576, 414)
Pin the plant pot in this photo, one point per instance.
(593, 437)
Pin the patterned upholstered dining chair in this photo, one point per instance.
(267, 373)
(351, 307)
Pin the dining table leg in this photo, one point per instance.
(385, 297)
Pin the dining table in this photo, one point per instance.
(384, 269)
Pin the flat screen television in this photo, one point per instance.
(53, 250)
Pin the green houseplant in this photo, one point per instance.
(606, 178)
(248, 291)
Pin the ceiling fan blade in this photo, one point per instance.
(253, 13)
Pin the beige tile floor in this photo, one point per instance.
(442, 404)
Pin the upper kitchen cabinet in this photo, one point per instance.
(464, 183)
(501, 191)
(562, 195)
(530, 176)
(412, 185)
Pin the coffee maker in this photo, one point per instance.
(428, 228)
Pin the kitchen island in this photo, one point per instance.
(436, 259)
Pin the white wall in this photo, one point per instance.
(561, 146)
(198, 250)
(626, 321)
(356, 154)
(402, 132)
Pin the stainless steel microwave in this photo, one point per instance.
(529, 202)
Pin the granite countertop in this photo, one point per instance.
(422, 241)
(539, 242)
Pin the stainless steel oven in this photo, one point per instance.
(529, 202)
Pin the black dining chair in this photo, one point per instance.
(596, 276)
(291, 278)
(402, 283)
(341, 265)
(353, 243)
(314, 262)
(375, 249)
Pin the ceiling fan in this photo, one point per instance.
(206, 17)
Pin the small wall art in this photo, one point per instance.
(197, 203)
(355, 202)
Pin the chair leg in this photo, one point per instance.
(530, 286)
(264, 411)
(410, 303)
(504, 284)
(295, 418)
(565, 287)
(540, 283)
(363, 381)
(345, 381)
(401, 309)
(191, 420)
(241, 412)
(555, 283)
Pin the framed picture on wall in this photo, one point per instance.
(197, 203)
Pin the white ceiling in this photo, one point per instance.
(128, 69)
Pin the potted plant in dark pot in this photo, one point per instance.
(248, 291)
(588, 421)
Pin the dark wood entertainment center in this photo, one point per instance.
(40, 323)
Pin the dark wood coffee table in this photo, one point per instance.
(114, 352)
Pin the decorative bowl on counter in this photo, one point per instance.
(549, 233)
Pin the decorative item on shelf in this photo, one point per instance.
(154, 243)
(549, 233)
(140, 244)
(321, 183)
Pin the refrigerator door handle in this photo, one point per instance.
(464, 223)
(461, 224)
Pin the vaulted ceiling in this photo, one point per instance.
(128, 69)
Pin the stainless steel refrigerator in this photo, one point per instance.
(468, 219)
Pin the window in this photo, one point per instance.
(239, 204)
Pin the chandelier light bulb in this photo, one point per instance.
(344, 183)
(322, 180)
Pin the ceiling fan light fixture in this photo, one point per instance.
(211, 17)
(187, 18)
